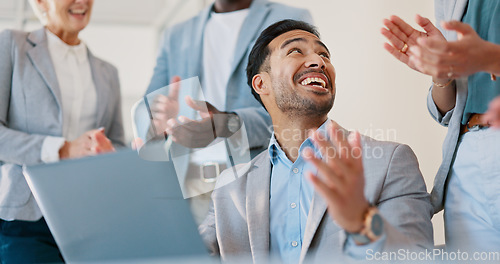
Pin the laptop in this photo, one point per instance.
(116, 208)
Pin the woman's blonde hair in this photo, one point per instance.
(40, 14)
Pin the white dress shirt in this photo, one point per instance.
(219, 43)
(78, 94)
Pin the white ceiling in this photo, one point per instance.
(156, 13)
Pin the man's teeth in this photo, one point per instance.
(78, 11)
(307, 81)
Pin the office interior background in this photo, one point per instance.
(376, 94)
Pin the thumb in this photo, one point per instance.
(426, 24)
(175, 86)
(461, 28)
(197, 105)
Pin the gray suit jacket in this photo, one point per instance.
(30, 110)
(181, 54)
(238, 220)
(448, 10)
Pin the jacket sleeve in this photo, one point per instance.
(115, 132)
(16, 147)
(404, 205)
(208, 232)
(161, 74)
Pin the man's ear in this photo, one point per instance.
(260, 83)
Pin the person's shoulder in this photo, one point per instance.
(286, 9)
(184, 27)
(383, 150)
(239, 173)
(12, 35)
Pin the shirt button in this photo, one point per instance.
(294, 243)
(293, 205)
(295, 170)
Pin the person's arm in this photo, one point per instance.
(404, 204)
(115, 130)
(208, 232)
(17, 147)
(161, 74)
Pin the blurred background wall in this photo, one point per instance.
(376, 94)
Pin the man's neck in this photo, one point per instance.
(224, 6)
(291, 132)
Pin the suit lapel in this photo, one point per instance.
(257, 208)
(458, 10)
(42, 62)
(316, 214)
(249, 30)
(102, 86)
(197, 42)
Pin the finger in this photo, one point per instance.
(354, 140)
(427, 25)
(461, 28)
(175, 85)
(171, 123)
(432, 57)
(324, 145)
(399, 36)
(396, 53)
(196, 105)
(329, 194)
(395, 41)
(328, 175)
(402, 25)
(434, 44)
(160, 100)
(137, 143)
(102, 143)
(339, 138)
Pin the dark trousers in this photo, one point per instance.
(27, 242)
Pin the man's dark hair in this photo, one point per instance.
(257, 61)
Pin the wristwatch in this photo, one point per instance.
(373, 227)
(233, 123)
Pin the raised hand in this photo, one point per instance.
(198, 133)
(340, 179)
(164, 108)
(454, 59)
(402, 37)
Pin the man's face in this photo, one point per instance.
(302, 76)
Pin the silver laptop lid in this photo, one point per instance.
(115, 207)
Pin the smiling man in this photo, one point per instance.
(318, 193)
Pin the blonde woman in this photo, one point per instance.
(57, 101)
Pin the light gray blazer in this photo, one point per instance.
(238, 220)
(448, 10)
(30, 110)
(181, 54)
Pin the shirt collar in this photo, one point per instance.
(63, 49)
(275, 150)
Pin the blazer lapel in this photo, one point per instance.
(249, 30)
(40, 57)
(316, 214)
(458, 10)
(197, 43)
(257, 208)
(102, 87)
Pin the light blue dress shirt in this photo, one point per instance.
(289, 202)
(290, 199)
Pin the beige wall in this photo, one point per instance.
(376, 94)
